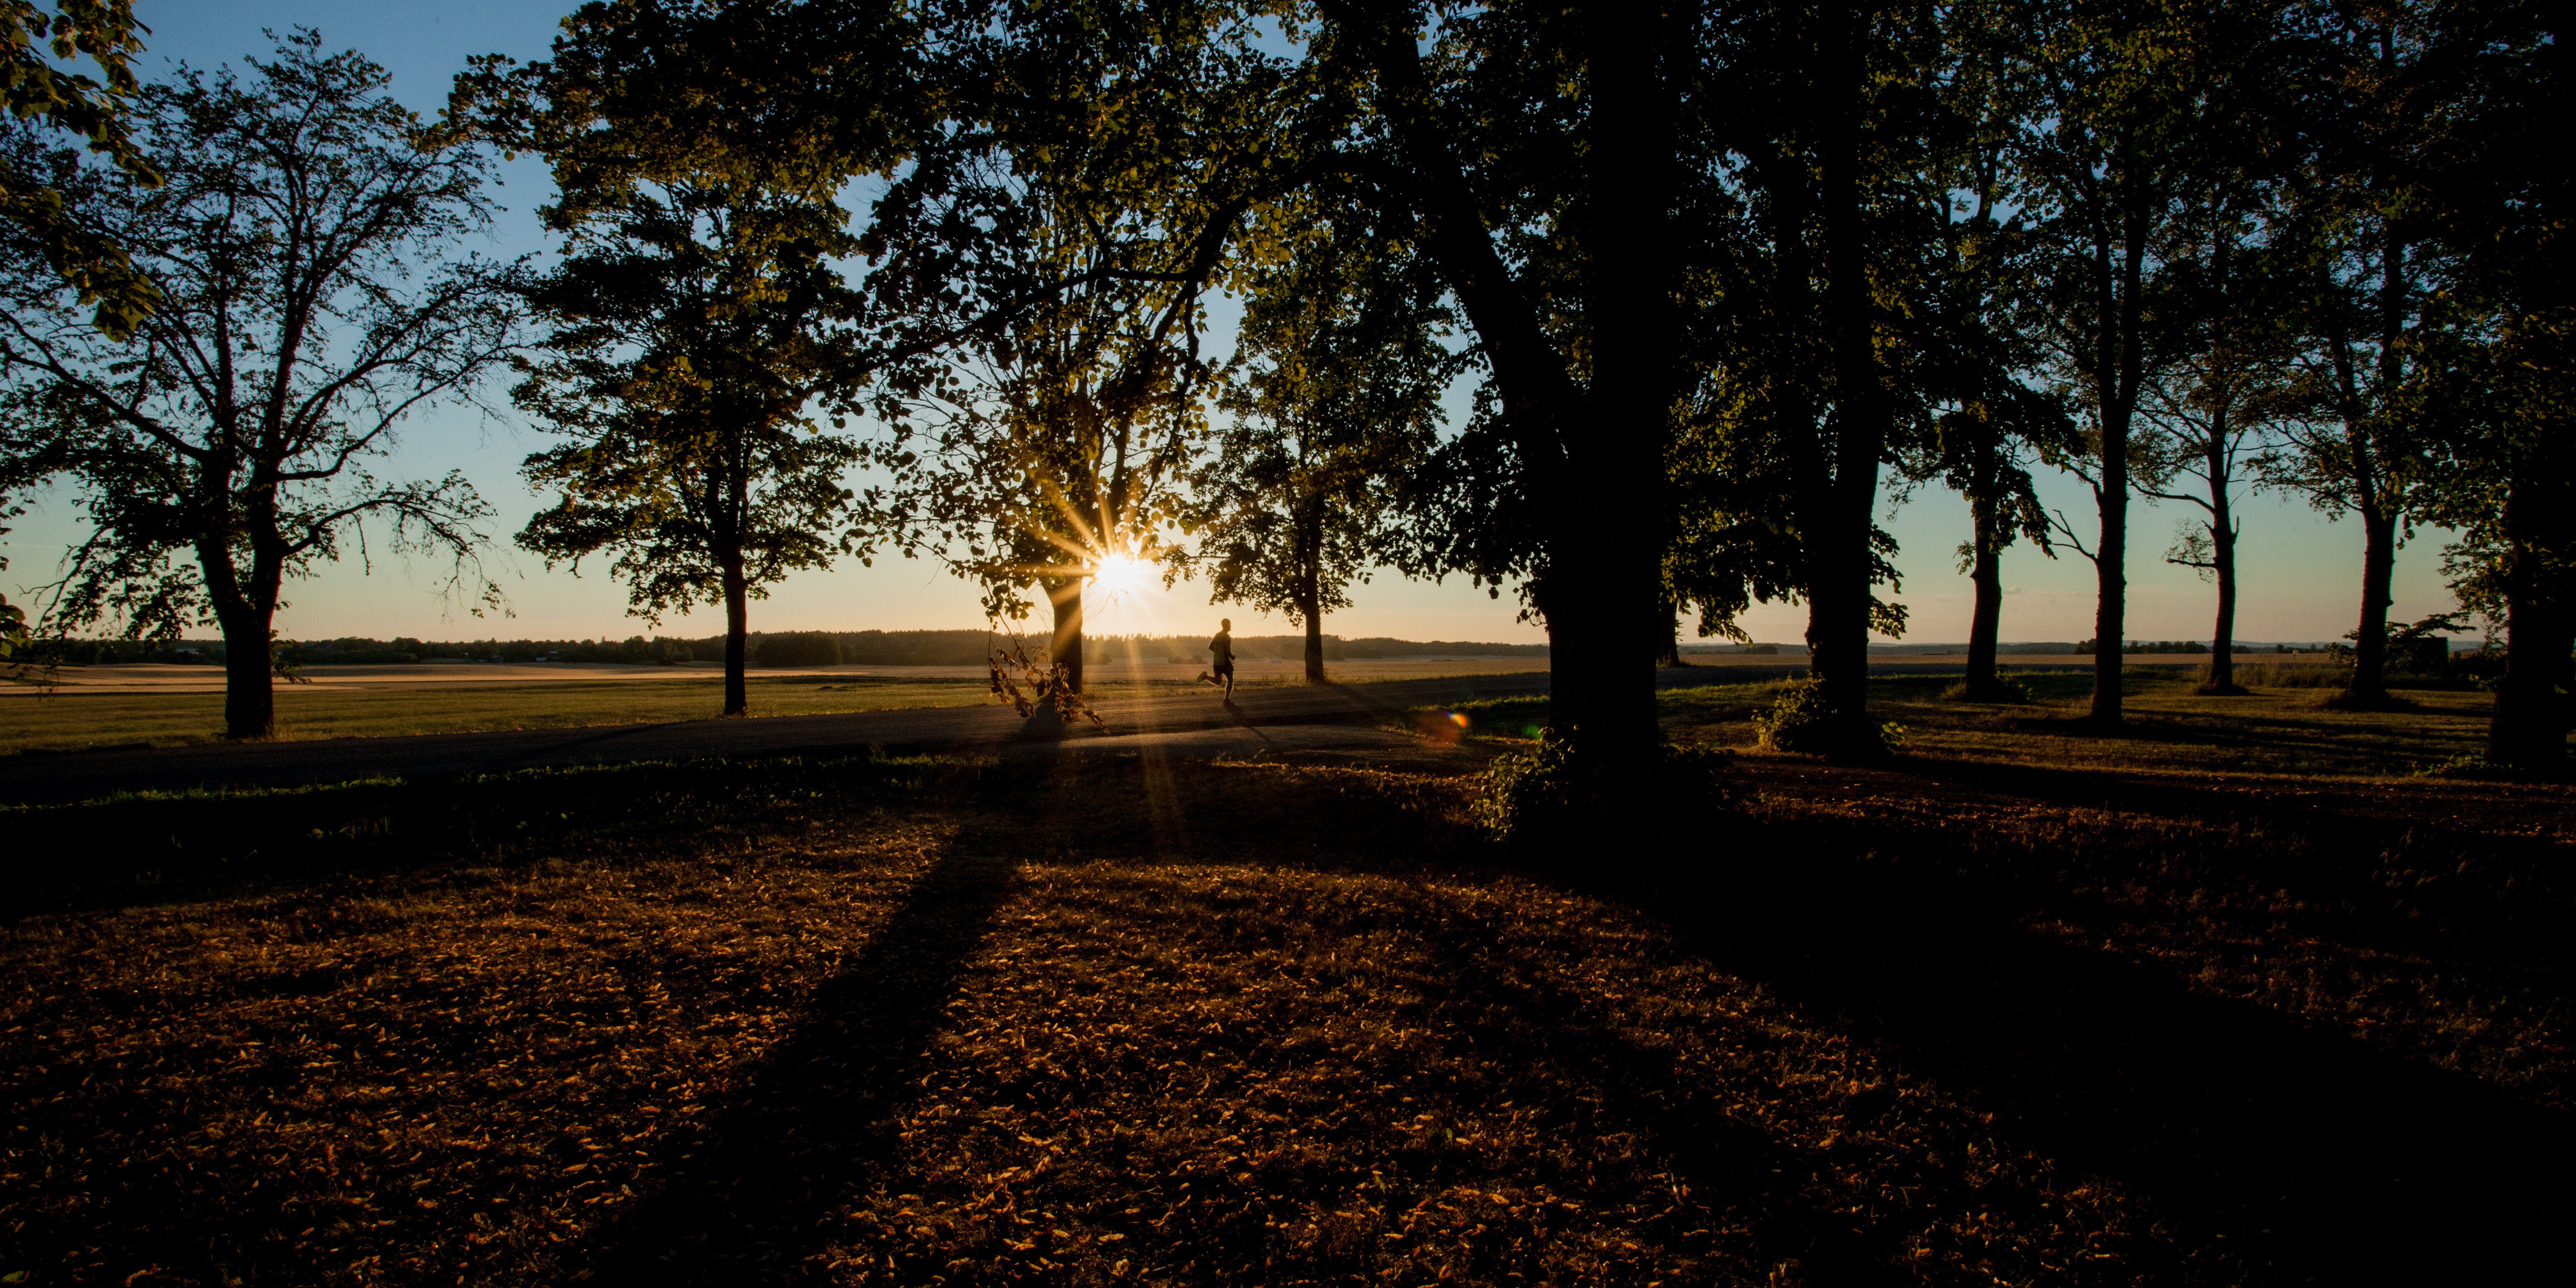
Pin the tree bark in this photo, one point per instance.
(2222, 565)
(2528, 729)
(250, 696)
(2118, 364)
(2110, 612)
(1064, 643)
(2222, 636)
(1310, 585)
(1985, 620)
(737, 598)
(1608, 564)
(247, 614)
(1840, 641)
(2369, 685)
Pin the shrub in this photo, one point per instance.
(1548, 794)
(800, 648)
(1800, 721)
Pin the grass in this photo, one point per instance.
(70, 719)
(2167, 727)
(905, 1021)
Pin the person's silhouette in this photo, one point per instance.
(1223, 647)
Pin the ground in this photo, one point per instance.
(80, 708)
(2091, 1013)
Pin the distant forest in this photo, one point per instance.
(788, 648)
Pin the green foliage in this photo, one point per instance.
(694, 326)
(37, 88)
(1802, 720)
(1555, 793)
(1339, 375)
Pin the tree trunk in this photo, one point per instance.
(250, 698)
(1310, 585)
(1670, 639)
(2110, 612)
(1859, 421)
(247, 614)
(2528, 729)
(1985, 621)
(1605, 565)
(2369, 687)
(737, 634)
(2222, 636)
(1064, 645)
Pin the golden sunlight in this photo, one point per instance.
(1120, 575)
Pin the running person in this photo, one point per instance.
(1223, 647)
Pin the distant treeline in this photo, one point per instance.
(2010, 647)
(782, 648)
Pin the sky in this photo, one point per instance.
(2301, 579)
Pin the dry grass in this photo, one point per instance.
(1131, 1022)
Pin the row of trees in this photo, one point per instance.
(1719, 274)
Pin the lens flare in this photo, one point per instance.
(1122, 574)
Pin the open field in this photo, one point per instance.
(2167, 727)
(165, 706)
(169, 706)
(1950, 1020)
(165, 678)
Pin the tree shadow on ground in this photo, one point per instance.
(2302, 1151)
(816, 1115)
(2289, 1154)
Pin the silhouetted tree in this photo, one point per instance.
(694, 331)
(2214, 407)
(2490, 400)
(1048, 259)
(2131, 102)
(302, 249)
(1340, 396)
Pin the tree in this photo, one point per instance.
(310, 301)
(2490, 401)
(1061, 449)
(2126, 97)
(1342, 395)
(694, 329)
(2364, 259)
(1540, 151)
(38, 90)
(1970, 335)
(2213, 408)
(1047, 261)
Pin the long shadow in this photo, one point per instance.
(2306, 1153)
(818, 1115)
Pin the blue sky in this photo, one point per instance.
(2301, 581)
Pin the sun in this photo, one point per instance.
(1122, 575)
